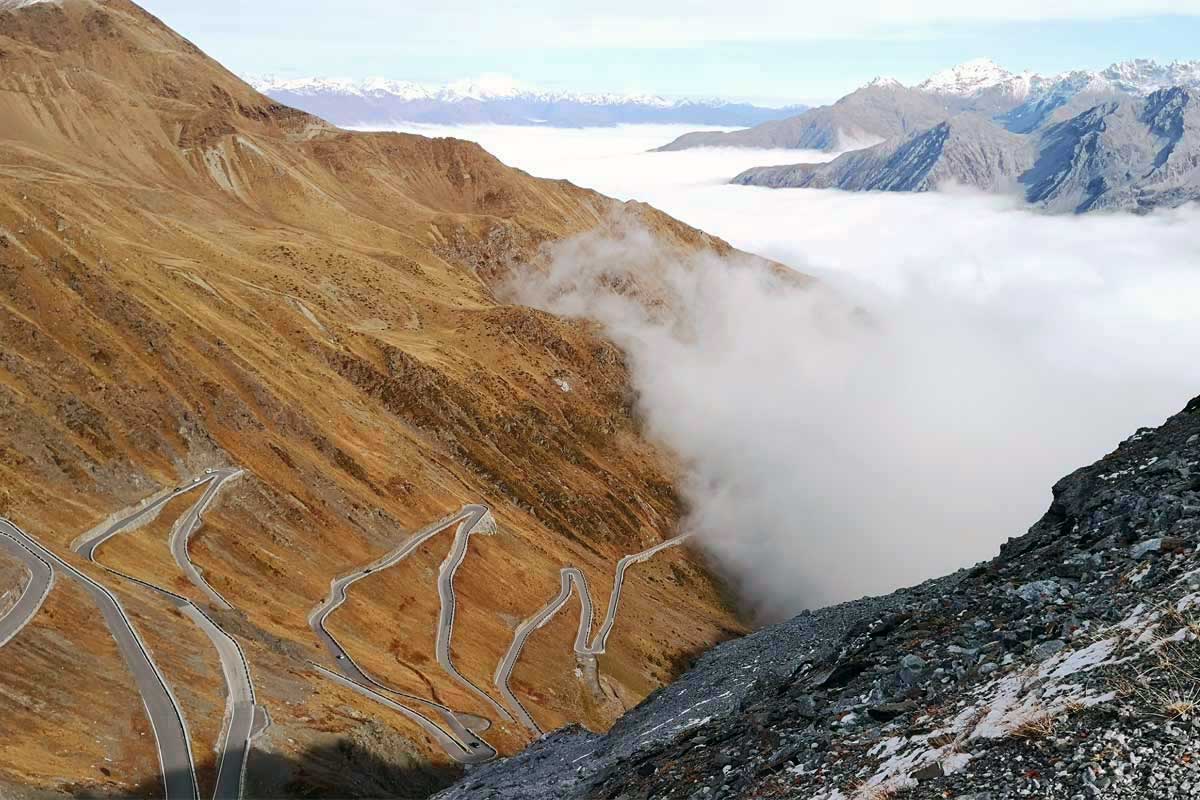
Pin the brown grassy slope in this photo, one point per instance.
(193, 275)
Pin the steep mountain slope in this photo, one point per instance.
(1130, 154)
(886, 109)
(193, 277)
(381, 102)
(1063, 668)
(966, 149)
(1121, 156)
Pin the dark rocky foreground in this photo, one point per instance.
(1066, 667)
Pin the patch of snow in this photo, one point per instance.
(1090, 657)
(968, 78)
(955, 762)
(13, 5)
(686, 711)
(485, 88)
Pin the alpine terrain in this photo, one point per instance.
(290, 503)
(1125, 138)
(379, 102)
(1066, 667)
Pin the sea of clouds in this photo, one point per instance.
(906, 420)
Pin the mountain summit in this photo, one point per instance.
(885, 109)
(968, 78)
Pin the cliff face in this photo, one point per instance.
(194, 276)
(1065, 667)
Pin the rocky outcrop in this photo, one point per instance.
(1063, 668)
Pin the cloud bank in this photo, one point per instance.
(831, 453)
(440, 25)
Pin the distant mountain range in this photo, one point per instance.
(499, 101)
(1134, 154)
(1127, 137)
(886, 108)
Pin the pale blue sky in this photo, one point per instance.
(765, 50)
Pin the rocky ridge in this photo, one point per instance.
(1127, 154)
(1019, 102)
(1066, 667)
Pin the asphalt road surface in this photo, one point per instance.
(166, 720)
(476, 751)
(454, 559)
(459, 740)
(240, 706)
(572, 580)
(188, 524)
(41, 580)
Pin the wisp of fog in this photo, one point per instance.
(904, 419)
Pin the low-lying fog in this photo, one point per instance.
(829, 460)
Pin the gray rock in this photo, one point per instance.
(1145, 548)
(1038, 591)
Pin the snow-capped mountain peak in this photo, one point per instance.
(499, 99)
(967, 78)
(483, 88)
(487, 87)
(1143, 75)
(1138, 77)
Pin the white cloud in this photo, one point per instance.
(636, 23)
(828, 458)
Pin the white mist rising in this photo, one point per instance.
(830, 453)
(826, 458)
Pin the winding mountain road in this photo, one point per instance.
(479, 515)
(241, 709)
(461, 741)
(41, 580)
(166, 720)
(572, 579)
(188, 524)
(244, 718)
